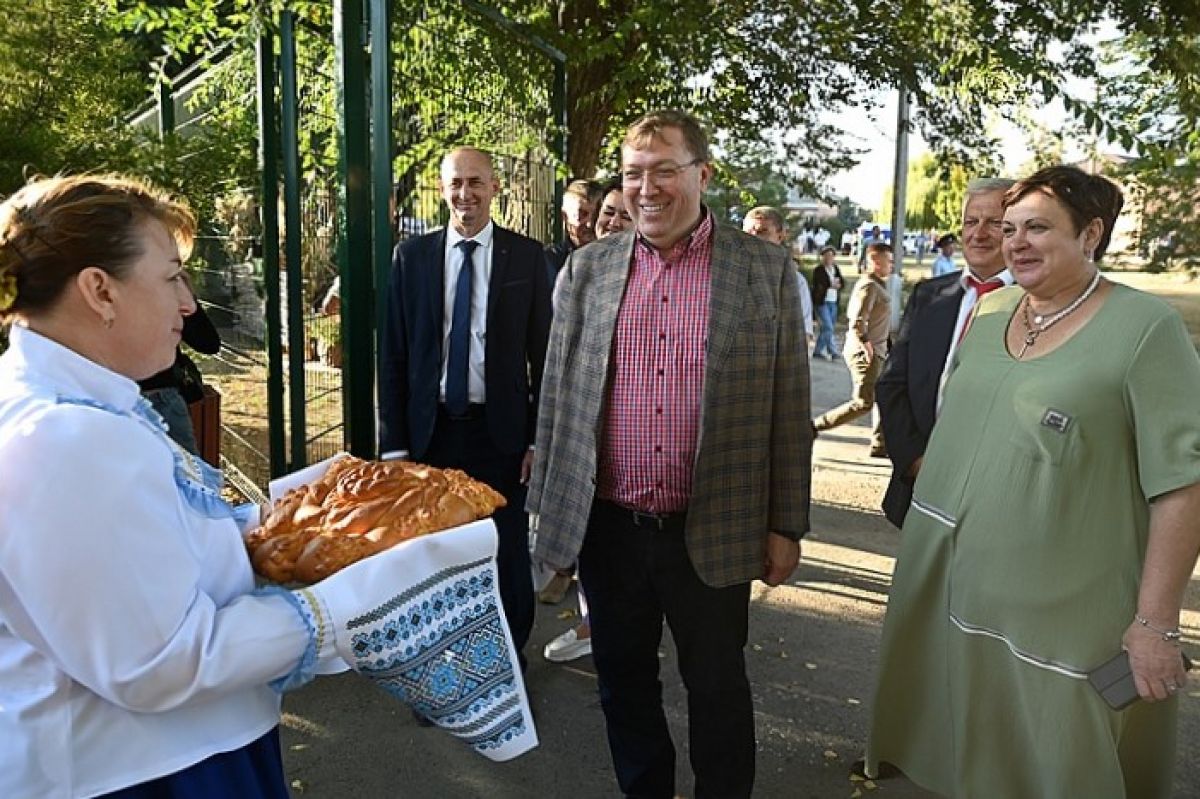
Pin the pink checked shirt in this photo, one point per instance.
(652, 411)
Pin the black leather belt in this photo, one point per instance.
(638, 518)
(474, 411)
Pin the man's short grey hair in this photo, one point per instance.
(588, 190)
(988, 185)
(769, 213)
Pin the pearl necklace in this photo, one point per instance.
(1044, 323)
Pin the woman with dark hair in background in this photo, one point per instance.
(826, 289)
(1055, 523)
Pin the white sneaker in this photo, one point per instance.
(567, 646)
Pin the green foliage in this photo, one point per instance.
(1150, 101)
(459, 80)
(69, 80)
(935, 191)
(746, 175)
(849, 216)
(326, 329)
(65, 81)
(757, 73)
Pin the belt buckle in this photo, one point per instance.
(638, 516)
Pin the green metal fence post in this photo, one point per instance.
(268, 155)
(166, 110)
(354, 246)
(381, 150)
(292, 238)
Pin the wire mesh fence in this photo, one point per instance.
(226, 271)
(317, 125)
(499, 98)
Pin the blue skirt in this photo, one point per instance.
(253, 772)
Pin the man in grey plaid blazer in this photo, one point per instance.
(675, 531)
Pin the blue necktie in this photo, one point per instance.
(460, 334)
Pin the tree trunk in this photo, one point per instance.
(591, 98)
(589, 109)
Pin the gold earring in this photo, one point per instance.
(108, 322)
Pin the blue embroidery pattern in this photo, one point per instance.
(440, 648)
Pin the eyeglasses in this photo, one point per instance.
(659, 176)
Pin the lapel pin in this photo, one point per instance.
(1056, 420)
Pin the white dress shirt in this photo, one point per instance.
(806, 309)
(130, 646)
(482, 265)
(831, 293)
(965, 306)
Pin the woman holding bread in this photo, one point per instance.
(136, 659)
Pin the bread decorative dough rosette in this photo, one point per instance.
(358, 508)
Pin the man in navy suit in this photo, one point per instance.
(461, 357)
(936, 318)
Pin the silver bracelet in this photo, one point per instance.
(1170, 636)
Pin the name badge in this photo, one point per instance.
(1056, 420)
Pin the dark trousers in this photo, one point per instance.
(465, 444)
(255, 771)
(635, 575)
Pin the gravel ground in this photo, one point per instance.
(813, 646)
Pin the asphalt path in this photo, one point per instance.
(811, 657)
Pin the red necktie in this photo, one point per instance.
(981, 287)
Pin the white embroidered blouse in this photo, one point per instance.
(130, 644)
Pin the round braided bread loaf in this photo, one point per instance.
(359, 508)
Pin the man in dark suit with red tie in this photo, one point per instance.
(936, 318)
(461, 357)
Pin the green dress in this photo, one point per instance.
(1021, 557)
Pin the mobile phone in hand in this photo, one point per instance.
(1114, 680)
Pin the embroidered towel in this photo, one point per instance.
(424, 621)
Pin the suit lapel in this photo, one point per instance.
(609, 280)
(727, 297)
(500, 257)
(437, 283)
(729, 284)
(944, 309)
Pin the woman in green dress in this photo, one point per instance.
(1056, 521)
